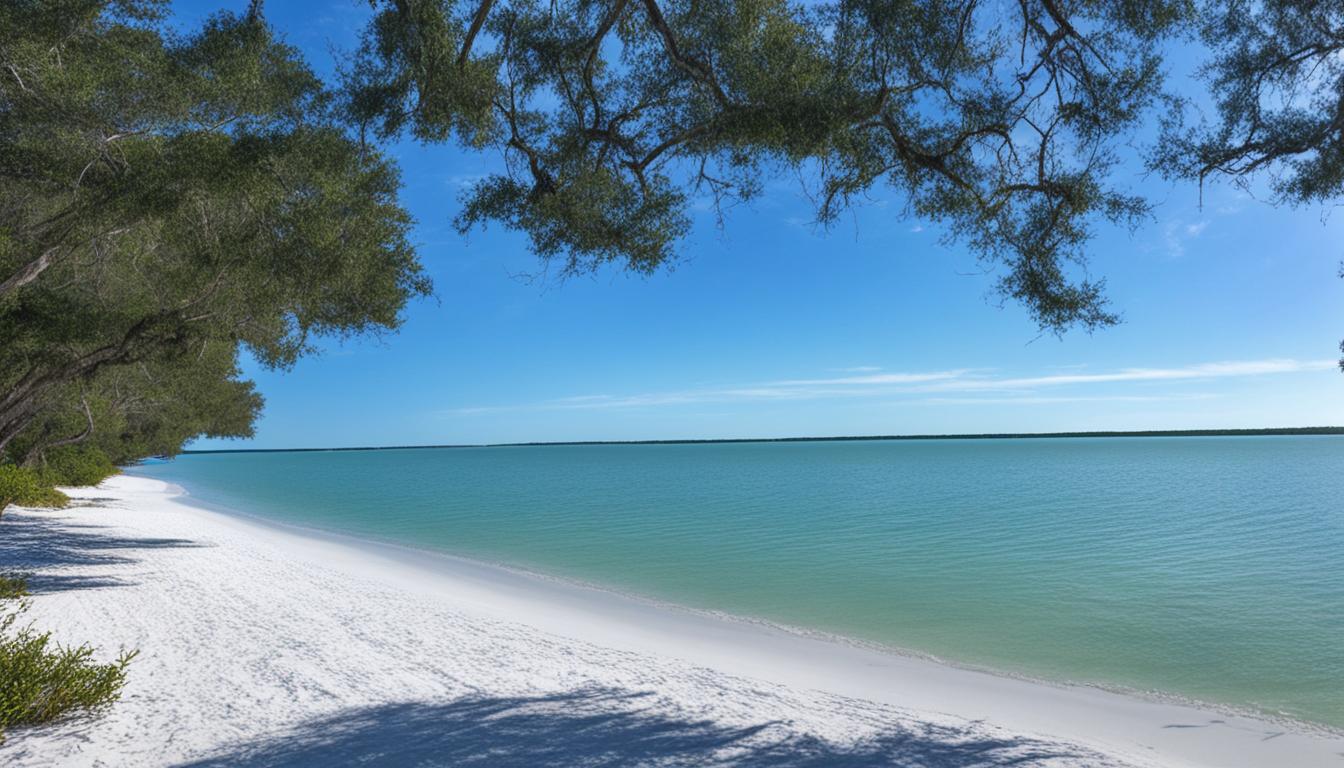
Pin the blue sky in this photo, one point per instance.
(769, 327)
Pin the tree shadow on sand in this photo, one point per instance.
(604, 728)
(35, 543)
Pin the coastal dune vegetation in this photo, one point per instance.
(42, 680)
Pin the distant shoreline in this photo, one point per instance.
(1270, 431)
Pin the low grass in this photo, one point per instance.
(42, 681)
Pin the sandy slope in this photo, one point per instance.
(265, 646)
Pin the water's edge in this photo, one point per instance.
(426, 557)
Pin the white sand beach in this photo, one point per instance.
(266, 646)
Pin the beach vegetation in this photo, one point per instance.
(12, 586)
(75, 465)
(25, 488)
(41, 680)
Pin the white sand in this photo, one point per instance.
(262, 645)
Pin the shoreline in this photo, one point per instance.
(251, 598)
(1238, 432)
(431, 558)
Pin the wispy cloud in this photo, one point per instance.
(969, 380)
(1039, 400)
(464, 181)
(1178, 233)
(1016, 389)
(1201, 371)
(873, 378)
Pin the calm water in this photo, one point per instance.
(1207, 567)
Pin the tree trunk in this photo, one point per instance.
(28, 272)
(17, 406)
(21, 404)
(11, 430)
(37, 453)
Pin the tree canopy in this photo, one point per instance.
(1276, 76)
(167, 200)
(1002, 121)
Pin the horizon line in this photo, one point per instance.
(1248, 432)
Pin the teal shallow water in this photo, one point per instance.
(1211, 568)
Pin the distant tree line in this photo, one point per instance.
(169, 199)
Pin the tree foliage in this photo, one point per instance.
(1276, 75)
(165, 201)
(1002, 121)
(1277, 81)
(999, 120)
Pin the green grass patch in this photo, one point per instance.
(26, 488)
(42, 681)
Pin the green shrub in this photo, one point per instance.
(41, 681)
(76, 465)
(26, 488)
(12, 587)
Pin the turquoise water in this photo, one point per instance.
(1211, 568)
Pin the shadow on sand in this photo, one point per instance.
(33, 543)
(603, 729)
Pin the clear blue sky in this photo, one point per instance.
(769, 328)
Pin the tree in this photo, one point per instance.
(164, 201)
(1002, 121)
(611, 115)
(1277, 79)
(148, 409)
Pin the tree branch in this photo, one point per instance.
(692, 66)
(28, 272)
(477, 21)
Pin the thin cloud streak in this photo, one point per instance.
(926, 383)
(1035, 400)
(1204, 371)
(875, 378)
